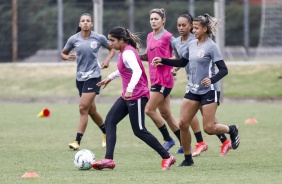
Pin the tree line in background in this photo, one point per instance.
(37, 21)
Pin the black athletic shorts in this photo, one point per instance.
(208, 98)
(88, 86)
(158, 88)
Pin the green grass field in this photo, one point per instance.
(30, 80)
(31, 144)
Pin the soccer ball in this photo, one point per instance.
(84, 159)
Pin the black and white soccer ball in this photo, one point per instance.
(84, 159)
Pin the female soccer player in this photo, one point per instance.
(135, 95)
(202, 55)
(184, 26)
(86, 44)
(159, 44)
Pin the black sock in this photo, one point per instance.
(199, 136)
(78, 137)
(177, 134)
(188, 157)
(221, 137)
(103, 129)
(165, 133)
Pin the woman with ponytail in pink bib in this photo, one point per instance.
(134, 97)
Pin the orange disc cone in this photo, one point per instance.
(251, 121)
(44, 113)
(30, 175)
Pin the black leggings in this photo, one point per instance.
(135, 109)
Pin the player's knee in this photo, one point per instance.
(183, 125)
(83, 108)
(148, 111)
(208, 129)
(138, 133)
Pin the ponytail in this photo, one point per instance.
(133, 39)
(209, 21)
(130, 38)
(78, 29)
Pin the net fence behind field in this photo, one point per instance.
(270, 40)
(37, 25)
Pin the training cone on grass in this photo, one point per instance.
(30, 175)
(251, 121)
(44, 113)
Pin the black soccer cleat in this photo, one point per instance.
(186, 163)
(234, 136)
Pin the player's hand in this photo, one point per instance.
(104, 82)
(157, 61)
(128, 95)
(72, 57)
(173, 72)
(206, 82)
(105, 65)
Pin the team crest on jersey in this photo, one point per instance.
(201, 53)
(93, 44)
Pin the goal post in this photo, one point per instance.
(219, 13)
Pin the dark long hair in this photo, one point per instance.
(130, 38)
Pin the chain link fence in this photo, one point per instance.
(37, 24)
